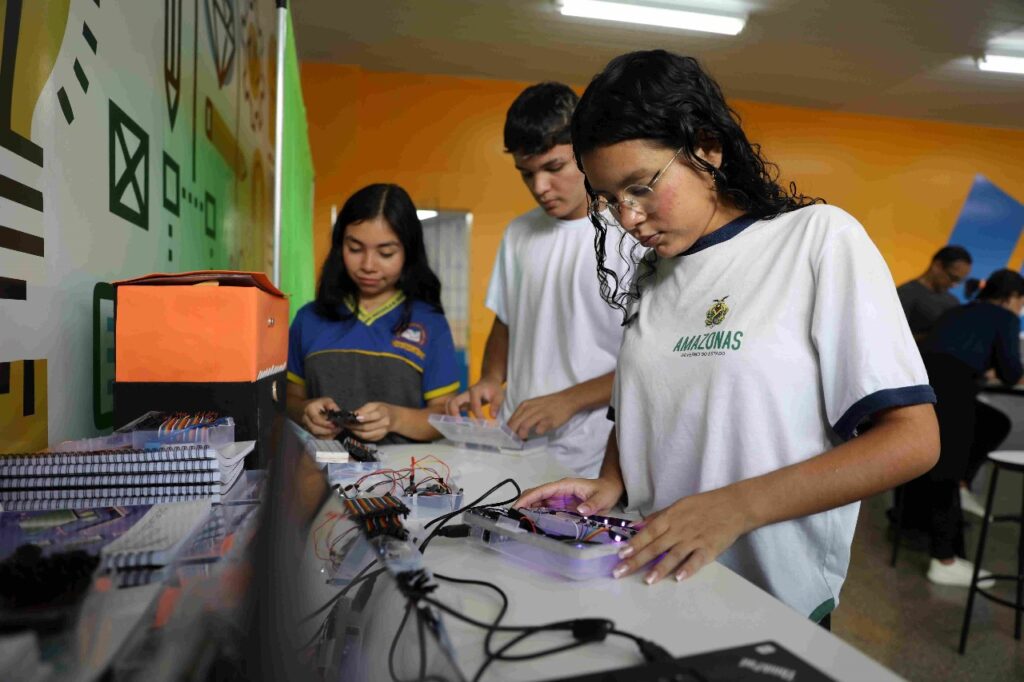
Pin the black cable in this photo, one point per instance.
(316, 635)
(442, 520)
(359, 577)
(423, 646)
(501, 614)
(498, 655)
(557, 625)
(524, 632)
(409, 606)
(650, 650)
(584, 630)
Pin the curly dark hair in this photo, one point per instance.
(668, 99)
(417, 281)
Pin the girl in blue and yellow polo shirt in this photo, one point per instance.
(375, 340)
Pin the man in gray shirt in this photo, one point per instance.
(925, 299)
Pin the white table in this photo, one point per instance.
(715, 609)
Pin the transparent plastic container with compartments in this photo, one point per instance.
(154, 429)
(484, 434)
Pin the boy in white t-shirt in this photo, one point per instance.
(554, 340)
(762, 331)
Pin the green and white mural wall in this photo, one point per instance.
(135, 136)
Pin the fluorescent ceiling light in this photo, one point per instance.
(1002, 64)
(426, 215)
(653, 16)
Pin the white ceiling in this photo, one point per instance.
(908, 58)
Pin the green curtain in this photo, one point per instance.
(298, 271)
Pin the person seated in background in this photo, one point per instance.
(991, 427)
(924, 301)
(375, 340)
(553, 339)
(966, 342)
(926, 298)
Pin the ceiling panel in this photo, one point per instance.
(909, 58)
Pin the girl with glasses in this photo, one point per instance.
(762, 330)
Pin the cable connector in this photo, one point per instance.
(591, 629)
(653, 652)
(460, 530)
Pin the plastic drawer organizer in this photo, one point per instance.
(155, 429)
(551, 540)
(484, 434)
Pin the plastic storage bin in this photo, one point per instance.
(487, 434)
(143, 433)
(573, 560)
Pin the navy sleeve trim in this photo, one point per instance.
(881, 400)
(611, 414)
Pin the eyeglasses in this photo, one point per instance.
(634, 196)
(953, 277)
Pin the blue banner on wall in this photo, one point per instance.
(989, 227)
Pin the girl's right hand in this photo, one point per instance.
(316, 422)
(584, 495)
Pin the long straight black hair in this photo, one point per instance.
(417, 281)
(668, 99)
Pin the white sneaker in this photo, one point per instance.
(957, 574)
(970, 504)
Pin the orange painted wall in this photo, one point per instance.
(440, 138)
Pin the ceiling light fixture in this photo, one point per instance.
(425, 214)
(1001, 64)
(653, 16)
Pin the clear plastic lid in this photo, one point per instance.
(484, 433)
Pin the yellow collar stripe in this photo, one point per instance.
(369, 318)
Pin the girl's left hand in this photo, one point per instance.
(376, 420)
(691, 533)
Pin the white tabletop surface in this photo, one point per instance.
(714, 609)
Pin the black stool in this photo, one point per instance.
(1011, 460)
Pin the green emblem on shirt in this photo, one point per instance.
(716, 313)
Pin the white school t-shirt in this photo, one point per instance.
(767, 343)
(544, 286)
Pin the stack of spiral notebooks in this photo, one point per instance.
(118, 477)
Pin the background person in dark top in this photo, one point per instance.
(966, 342)
(926, 298)
(991, 427)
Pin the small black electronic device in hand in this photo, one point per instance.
(341, 417)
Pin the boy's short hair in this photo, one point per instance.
(539, 119)
(948, 255)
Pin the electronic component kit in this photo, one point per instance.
(427, 486)
(553, 540)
